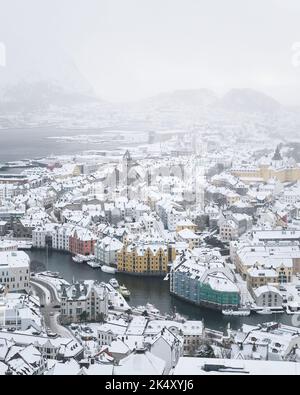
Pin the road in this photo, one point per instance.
(50, 310)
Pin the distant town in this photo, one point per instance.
(217, 223)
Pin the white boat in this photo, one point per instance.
(152, 309)
(78, 259)
(124, 291)
(238, 313)
(108, 269)
(264, 312)
(114, 283)
(94, 264)
(149, 308)
(24, 245)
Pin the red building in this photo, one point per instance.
(82, 242)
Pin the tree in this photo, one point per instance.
(100, 318)
(83, 316)
(205, 351)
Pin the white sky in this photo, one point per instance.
(128, 49)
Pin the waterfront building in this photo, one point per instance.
(15, 271)
(42, 235)
(204, 281)
(106, 250)
(61, 237)
(267, 296)
(82, 242)
(145, 259)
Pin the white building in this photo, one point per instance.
(167, 347)
(42, 235)
(61, 236)
(84, 301)
(107, 249)
(20, 312)
(15, 271)
(267, 296)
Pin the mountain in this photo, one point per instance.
(248, 101)
(186, 97)
(40, 79)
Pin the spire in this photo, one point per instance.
(277, 155)
(127, 156)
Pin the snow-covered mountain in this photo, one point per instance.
(248, 101)
(37, 79)
(186, 97)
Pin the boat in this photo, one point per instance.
(108, 269)
(93, 264)
(114, 283)
(149, 309)
(78, 259)
(124, 291)
(264, 312)
(237, 313)
(24, 245)
(152, 309)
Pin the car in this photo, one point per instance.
(52, 314)
(52, 334)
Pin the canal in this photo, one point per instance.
(144, 290)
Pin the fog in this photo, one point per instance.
(127, 50)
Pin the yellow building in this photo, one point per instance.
(185, 224)
(277, 168)
(145, 259)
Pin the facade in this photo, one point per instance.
(42, 236)
(283, 259)
(267, 296)
(144, 259)
(106, 250)
(167, 347)
(275, 168)
(15, 271)
(258, 277)
(82, 242)
(188, 236)
(61, 237)
(208, 284)
(84, 301)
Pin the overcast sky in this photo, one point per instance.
(129, 49)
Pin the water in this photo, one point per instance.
(33, 143)
(144, 290)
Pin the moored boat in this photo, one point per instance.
(239, 312)
(114, 283)
(264, 312)
(78, 259)
(108, 269)
(124, 291)
(93, 264)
